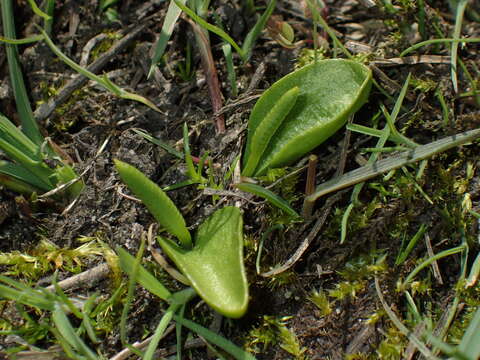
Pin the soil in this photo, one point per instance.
(94, 127)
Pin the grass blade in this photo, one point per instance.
(269, 196)
(160, 143)
(430, 260)
(255, 32)
(394, 162)
(470, 344)
(212, 28)
(216, 339)
(29, 125)
(103, 81)
(232, 77)
(37, 10)
(171, 18)
(460, 10)
(157, 335)
(144, 278)
(68, 333)
(27, 179)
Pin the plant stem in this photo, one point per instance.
(310, 186)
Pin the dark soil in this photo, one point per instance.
(391, 211)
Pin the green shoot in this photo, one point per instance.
(159, 204)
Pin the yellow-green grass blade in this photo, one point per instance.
(100, 80)
(268, 195)
(144, 278)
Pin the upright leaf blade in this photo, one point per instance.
(267, 128)
(146, 279)
(29, 125)
(159, 204)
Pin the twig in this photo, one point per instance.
(308, 240)
(162, 262)
(88, 277)
(125, 353)
(403, 329)
(210, 75)
(436, 269)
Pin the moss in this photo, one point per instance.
(274, 331)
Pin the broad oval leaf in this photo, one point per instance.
(214, 265)
(329, 91)
(157, 202)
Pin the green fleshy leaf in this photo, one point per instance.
(329, 92)
(159, 204)
(215, 264)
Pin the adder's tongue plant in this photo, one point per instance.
(302, 110)
(214, 262)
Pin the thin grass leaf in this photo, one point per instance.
(430, 260)
(255, 32)
(178, 333)
(28, 296)
(29, 125)
(132, 281)
(447, 349)
(232, 77)
(470, 344)
(403, 254)
(171, 18)
(212, 28)
(460, 10)
(437, 41)
(68, 333)
(271, 197)
(365, 130)
(160, 143)
(317, 17)
(87, 322)
(66, 302)
(403, 329)
(216, 339)
(188, 157)
(23, 41)
(37, 10)
(474, 272)
(48, 23)
(157, 202)
(384, 135)
(394, 162)
(103, 81)
(157, 335)
(144, 278)
(27, 182)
